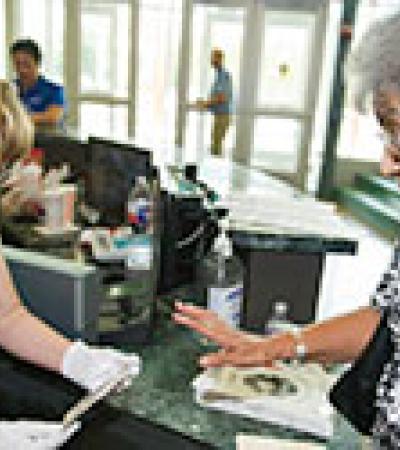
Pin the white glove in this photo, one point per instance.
(93, 367)
(34, 435)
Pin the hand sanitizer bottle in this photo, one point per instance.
(225, 281)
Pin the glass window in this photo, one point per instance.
(285, 62)
(105, 48)
(45, 24)
(104, 120)
(158, 62)
(3, 53)
(276, 144)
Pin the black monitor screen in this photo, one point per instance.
(112, 171)
(62, 149)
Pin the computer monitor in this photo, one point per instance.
(141, 163)
(60, 149)
(112, 171)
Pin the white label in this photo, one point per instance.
(227, 303)
(139, 258)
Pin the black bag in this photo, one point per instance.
(354, 393)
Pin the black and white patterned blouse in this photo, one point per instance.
(386, 430)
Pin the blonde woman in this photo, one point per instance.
(23, 334)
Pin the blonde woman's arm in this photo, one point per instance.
(25, 335)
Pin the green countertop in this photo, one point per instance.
(163, 394)
(286, 220)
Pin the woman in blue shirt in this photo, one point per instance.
(43, 99)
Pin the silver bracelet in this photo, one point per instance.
(300, 347)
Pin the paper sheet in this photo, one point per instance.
(244, 442)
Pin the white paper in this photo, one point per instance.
(308, 410)
(244, 442)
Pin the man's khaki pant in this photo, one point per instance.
(220, 128)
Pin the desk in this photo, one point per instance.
(163, 395)
(157, 411)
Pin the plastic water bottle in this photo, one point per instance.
(139, 206)
(279, 321)
(140, 217)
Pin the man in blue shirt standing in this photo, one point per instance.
(43, 99)
(219, 102)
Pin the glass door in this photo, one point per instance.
(286, 95)
(273, 51)
(219, 25)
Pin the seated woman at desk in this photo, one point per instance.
(342, 339)
(43, 99)
(23, 334)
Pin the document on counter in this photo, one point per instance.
(294, 396)
(245, 442)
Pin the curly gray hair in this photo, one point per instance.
(374, 64)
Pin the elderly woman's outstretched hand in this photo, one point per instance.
(237, 348)
(261, 352)
(208, 324)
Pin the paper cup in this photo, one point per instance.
(59, 205)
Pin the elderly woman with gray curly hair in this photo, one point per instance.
(373, 74)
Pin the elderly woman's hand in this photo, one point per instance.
(390, 163)
(237, 348)
(263, 352)
(209, 325)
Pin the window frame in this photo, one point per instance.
(72, 75)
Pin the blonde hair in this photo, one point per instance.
(16, 128)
